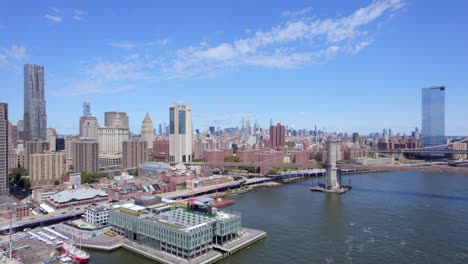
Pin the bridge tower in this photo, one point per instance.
(333, 177)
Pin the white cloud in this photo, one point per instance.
(133, 67)
(84, 87)
(130, 45)
(319, 39)
(123, 45)
(79, 14)
(55, 9)
(298, 41)
(295, 14)
(56, 19)
(17, 52)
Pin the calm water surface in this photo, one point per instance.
(394, 217)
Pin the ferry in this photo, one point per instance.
(75, 253)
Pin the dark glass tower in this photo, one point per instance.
(433, 116)
(35, 117)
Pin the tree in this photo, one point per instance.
(250, 169)
(56, 182)
(17, 173)
(290, 144)
(231, 159)
(87, 177)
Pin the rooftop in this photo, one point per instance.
(77, 194)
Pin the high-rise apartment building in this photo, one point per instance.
(34, 147)
(46, 168)
(277, 136)
(180, 133)
(35, 117)
(113, 119)
(147, 132)
(135, 152)
(4, 191)
(433, 116)
(85, 155)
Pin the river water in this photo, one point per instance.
(391, 217)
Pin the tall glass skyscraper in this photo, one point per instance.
(180, 133)
(35, 117)
(433, 116)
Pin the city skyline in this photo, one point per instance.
(279, 79)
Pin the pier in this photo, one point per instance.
(249, 237)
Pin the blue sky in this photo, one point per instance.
(344, 65)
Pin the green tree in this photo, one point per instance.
(17, 173)
(290, 144)
(231, 159)
(87, 177)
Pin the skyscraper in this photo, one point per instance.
(35, 117)
(110, 119)
(147, 132)
(277, 136)
(111, 138)
(433, 116)
(180, 129)
(88, 123)
(4, 191)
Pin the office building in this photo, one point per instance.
(4, 191)
(34, 147)
(89, 127)
(277, 136)
(147, 132)
(111, 138)
(180, 129)
(85, 155)
(59, 144)
(173, 232)
(433, 116)
(46, 168)
(135, 152)
(35, 117)
(97, 215)
(88, 123)
(115, 119)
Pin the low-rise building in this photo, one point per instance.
(97, 215)
(40, 195)
(76, 197)
(153, 169)
(12, 208)
(206, 181)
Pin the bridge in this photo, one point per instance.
(439, 149)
